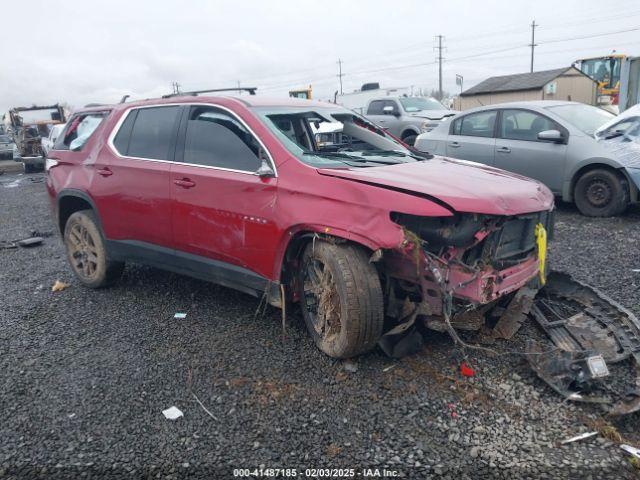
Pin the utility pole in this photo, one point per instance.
(340, 74)
(176, 87)
(440, 58)
(239, 91)
(533, 44)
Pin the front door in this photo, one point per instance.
(519, 150)
(222, 210)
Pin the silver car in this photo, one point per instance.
(550, 141)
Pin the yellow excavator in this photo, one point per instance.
(606, 71)
(304, 93)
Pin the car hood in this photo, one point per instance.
(463, 186)
(434, 114)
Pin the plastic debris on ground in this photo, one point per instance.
(466, 370)
(180, 315)
(172, 413)
(350, 367)
(579, 437)
(631, 450)
(59, 286)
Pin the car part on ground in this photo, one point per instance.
(597, 345)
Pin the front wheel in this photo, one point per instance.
(87, 253)
(601, 193)
(410, 140)
(341, 298)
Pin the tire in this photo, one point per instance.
(87, 253)
(410, 140)
(341, 298)
(601, 193)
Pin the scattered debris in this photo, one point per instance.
(597, 354)
(390, 367)
(579, 437)
(631, 450)
(350, 366)
(515, 313)
(59, 286)
(203, 407)
(636, 270)
(172, 413)
(30, 242)
(466, 370)
(180, 315)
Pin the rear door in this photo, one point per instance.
(472, 137)
(519, 150)
(131, 184)
(222, 210)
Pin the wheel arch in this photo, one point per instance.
(568, 194)
(408, 131)
(70, 201)
(297, 238)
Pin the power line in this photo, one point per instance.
(569, 39)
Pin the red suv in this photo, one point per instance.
(366, 234)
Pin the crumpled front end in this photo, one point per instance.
(448, 267)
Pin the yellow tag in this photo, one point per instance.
(541, 241)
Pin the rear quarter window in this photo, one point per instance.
(79, 130)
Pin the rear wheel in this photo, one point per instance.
(601, 193)
(86, 251)
(341, 298)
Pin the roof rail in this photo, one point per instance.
(195, 93)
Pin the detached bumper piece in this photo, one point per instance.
(593, 352)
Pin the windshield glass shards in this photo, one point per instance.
(334, 137)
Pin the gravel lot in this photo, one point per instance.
(86, 375)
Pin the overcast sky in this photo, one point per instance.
(96, 51)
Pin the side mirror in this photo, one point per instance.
(389, 110)
(551, 136)
(265, 170)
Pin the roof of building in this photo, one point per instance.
(516, 82)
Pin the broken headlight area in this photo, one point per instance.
(449, 271)
(474, 259)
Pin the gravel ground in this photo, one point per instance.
(86, 375)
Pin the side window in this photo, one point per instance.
(78, 131)
(456, 127)
(375, 108)
(153, 132)
(216, 139)
(524, 125)
(392, 104)
(476, 124)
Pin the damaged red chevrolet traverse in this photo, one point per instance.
(367, 236)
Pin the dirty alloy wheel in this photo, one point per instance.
(341, 298)
(601, 193)
(86, 251)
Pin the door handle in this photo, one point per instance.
(105, 172)
(504, 150)
(454, 144)
(185, 183)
